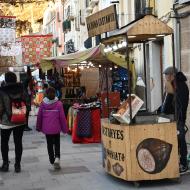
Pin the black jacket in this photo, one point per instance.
(13, 91)
(182, 97)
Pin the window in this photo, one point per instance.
(87, 3)
(143, 7)
(139, 8)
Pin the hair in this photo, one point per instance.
(45, 85)
(50, 89)
(10, 77)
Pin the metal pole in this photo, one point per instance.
(173, 53)
(107, 91)
(129, 77)
(145, 79)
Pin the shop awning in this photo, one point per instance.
(95, 55)
(141, 30)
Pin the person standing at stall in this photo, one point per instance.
(12, 119)
(51, 121)
(176, 83)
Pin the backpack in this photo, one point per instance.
(18, 110)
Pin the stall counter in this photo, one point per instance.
(140, 152)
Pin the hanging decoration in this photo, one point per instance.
(36, 47)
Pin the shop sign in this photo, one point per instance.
(102, 21)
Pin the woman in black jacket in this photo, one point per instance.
(10, 92)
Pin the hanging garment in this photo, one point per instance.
(84, 126)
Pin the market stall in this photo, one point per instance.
(143, 148)
(85, 116)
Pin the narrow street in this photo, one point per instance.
(81, 169)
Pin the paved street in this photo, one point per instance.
(81, 169)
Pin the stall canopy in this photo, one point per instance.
(95, 55)
(141, 30)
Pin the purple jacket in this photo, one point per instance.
(51, 117)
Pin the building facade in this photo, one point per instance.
(52, 24)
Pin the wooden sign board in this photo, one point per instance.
(153, 152)
(140, 152)
(113, 143)
(102, 21)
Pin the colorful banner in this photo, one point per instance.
(12, 49)
(35, 48)
(7, 29)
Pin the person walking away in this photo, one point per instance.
(28, 90)
(12, 119)
(177, 83)
(51, 121)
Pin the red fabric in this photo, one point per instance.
(96, 130)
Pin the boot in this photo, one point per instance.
(4, 167)
(17, 168)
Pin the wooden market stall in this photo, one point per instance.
(145, 150)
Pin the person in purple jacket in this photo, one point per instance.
(51, 121)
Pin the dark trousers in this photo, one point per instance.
(53, 147)
(17, 136)
(182, 144)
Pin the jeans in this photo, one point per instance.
(53, 147)
(182, 143)
(17, 136)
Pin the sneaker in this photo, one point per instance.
(183, 169)
(4, 167)
(17, 168)
(57, 164)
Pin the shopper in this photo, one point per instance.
(177, 84)
(28, 90)
(51, 121)
(10, 94)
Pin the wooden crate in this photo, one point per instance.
(150, 151)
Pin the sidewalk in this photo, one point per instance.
(81, 169)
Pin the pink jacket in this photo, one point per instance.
(51, 117)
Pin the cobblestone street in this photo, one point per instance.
(81, 169)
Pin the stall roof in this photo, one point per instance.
(141, 30)
(95, 55)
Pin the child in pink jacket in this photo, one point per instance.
(51, 121)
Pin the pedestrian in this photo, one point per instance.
(51, 121)
(28, 90)
(12, 118)
(178, 92)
